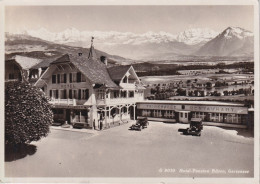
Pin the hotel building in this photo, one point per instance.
(84, 90)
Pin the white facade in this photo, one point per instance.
(77, 99)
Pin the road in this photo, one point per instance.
(158, 151)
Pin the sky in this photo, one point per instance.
(136, 19)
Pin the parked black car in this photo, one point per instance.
(140, 124)
(58, 122)
(195, 127)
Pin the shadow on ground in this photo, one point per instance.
(19, 151)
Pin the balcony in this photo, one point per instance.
(127, 85)
(115, 101)
(58, 101)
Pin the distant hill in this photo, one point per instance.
(29, 46)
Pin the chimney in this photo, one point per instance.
(103, 59)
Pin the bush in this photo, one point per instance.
(28, 114)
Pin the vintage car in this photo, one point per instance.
(79, 124)
(140, 124)
(136, 126)
(143, 121)
(58, 122)
(195, 127)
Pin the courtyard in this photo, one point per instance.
(157, 151)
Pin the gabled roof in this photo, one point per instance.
(94, 70)
(44, 64)
(117, 72)
(24, 62)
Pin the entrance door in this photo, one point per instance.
(184, 116)
(68, 115)
(131, 112)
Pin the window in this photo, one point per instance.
(85, 94)
(70, 94)
(78, 77)
(57, 93)
(53, 79)
(100, 94)
(74, 77)
(181, 114)
(131, 94)
(123, 94)
(64, 94)
(157, 113)
(125, 80)
(183, 107)
(186, 115)
(58, 78)
(75, 94)
(63, 78)
(116, 94)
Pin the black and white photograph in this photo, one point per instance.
(130, 92)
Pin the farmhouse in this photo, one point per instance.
(84, 90)
(21, 68)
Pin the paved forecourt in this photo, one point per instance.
(157, 151)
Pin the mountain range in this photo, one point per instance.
(233, 41)
(25, 45)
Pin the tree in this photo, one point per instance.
(188, 81)
(28, 114)
(225, 93)
(208, 84)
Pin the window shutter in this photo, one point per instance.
(70, 94)
(70, 77)
(65, 78)
(53, 79)
(57, 93)
(86, 94)
(79, 94)
(58, 78)
(65, 94)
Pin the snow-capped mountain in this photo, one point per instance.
(130, 45)
(190, 36)
(196, 36)
(233, 41)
